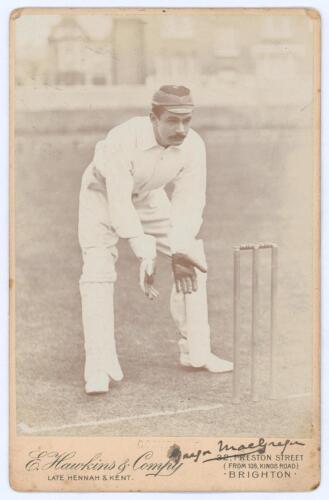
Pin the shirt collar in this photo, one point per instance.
(148, 140)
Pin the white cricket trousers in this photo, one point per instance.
(99, 252)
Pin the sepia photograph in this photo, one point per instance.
(165, 231)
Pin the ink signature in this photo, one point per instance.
(226, 451)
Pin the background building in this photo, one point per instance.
(111, 61)
(139, 49)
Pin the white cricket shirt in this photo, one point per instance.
(132, 164)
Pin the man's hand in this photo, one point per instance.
(146, 278)
(184, 273)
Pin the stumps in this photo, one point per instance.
(237, 374)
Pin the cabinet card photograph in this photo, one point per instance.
(165, 213)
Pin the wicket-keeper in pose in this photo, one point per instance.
(122, 196)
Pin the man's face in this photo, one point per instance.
(171, 128)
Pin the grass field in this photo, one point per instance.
(259, 189)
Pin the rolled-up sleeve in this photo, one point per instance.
(188, 199)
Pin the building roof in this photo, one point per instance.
(67, 29)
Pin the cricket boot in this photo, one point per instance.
(97, 383)
(214, 364)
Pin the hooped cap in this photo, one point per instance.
(175, 98)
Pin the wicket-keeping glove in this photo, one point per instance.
(146, 278)
(183, 267)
